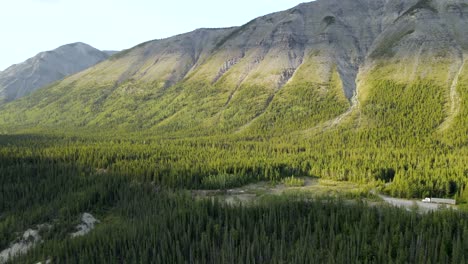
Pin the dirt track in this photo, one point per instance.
(411, 204)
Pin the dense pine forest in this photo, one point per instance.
(145, 226)
(143, 222)
(139, 185)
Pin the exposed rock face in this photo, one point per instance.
(46, 68)
(270, 49)
(87, 224)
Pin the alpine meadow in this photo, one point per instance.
(309, 135)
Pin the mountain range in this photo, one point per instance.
(313, 67)
(47, 67)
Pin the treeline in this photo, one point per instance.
(187, 162)
(417, 170)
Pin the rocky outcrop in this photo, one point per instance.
(31, 238)
(26, 242)
(87, 224)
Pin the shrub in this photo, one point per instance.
(293, 182)
(223, 181)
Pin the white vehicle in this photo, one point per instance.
(426, 200)
(439, 201)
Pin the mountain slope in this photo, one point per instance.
(310, 68)
(110, 52)
(46, 68)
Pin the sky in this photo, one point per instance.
(31, 26)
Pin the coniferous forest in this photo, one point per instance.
(138, 186)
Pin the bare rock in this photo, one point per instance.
(88, 223)
(29, 239)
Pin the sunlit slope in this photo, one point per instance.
(412, 83)
(318, 66)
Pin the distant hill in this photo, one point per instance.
(46, 68)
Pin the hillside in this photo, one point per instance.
(47, 67)
(310, 66)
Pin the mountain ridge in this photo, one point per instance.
(312, 64)
(47, 67)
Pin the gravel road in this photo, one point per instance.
(410, 204)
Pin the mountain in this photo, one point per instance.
(46, 68)
(384, 64)
(110, 52)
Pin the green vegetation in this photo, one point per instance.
(462, 197)
(405, 110)
(223, 181)
(144, 224)
(293, 181)
(394, 139)
(131, 152)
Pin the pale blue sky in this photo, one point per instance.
(31, 26)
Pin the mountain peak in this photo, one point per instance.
(47, 67)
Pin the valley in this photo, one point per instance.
(317, 189)
(308, 135)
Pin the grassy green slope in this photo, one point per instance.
(457, 134)
(304, 102)
(190, 105)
